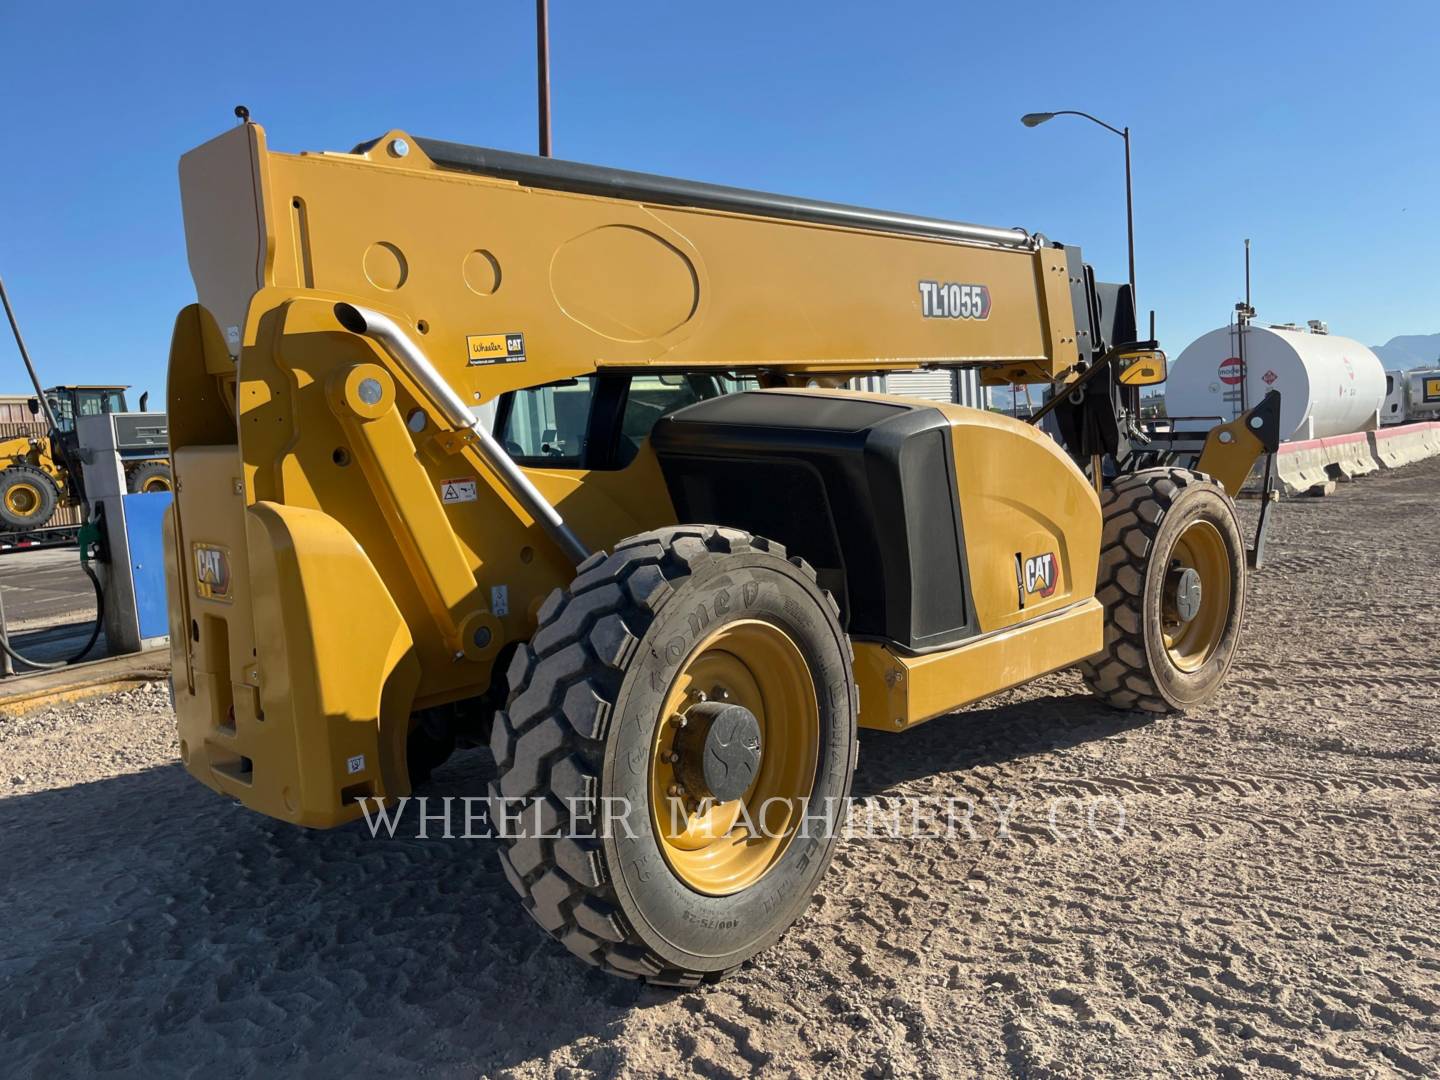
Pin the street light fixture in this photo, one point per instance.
(1035, 119)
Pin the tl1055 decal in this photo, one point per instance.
(952, 300)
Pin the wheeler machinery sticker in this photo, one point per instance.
(485, 349)
(212, 572)
(458, 491)
(1041, 574)
(952, 300)
(355, 764)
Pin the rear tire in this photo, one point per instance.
(149, 477)
(1160, 523)
(28, 498)
(585, 732)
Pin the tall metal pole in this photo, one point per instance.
(25, 355)
(1130, 220)
(1247, 272)
(1244, 325)
(1036, 119)
(542, 72)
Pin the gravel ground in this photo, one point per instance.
(1250, 890)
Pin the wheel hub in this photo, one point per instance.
(1195, 604)
(1185, 591)
(22, 499)
(728, 785)
(718, 751)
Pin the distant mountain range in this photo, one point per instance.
(1409, 351)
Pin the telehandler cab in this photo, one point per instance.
(475, 445)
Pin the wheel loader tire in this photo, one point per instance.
(150, 476)
(718, 629)
(28, 498)
(1172, 579)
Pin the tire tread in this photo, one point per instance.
(548, 742)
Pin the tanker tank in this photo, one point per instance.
(1329, 385)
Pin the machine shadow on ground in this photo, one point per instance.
(986, 735)
(356, 948)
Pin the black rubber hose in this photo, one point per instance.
(50, 665)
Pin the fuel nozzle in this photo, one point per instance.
(93, 542)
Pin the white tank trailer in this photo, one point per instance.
(1423, 396)
(1329, 385)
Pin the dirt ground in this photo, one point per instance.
(1250, 890)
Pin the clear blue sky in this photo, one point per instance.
(1308, 126)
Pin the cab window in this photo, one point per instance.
(652, 396)
(64, 412)
(98, 402)
(597, 421)
(548, 425)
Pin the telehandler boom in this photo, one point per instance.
(474, 445)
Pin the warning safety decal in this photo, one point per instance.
(495, 349)
(457, 491)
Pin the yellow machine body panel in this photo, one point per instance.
(1032, 559)
(342, 553)
(1031, 527)
(591, 281)
(35, 452)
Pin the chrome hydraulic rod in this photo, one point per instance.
(403, 350)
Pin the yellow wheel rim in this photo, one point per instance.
(1190, 643)
(719, 848)
(155, 483)
(22, 498)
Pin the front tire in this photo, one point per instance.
(28, 498)
(1172, 579)
(693, 625)
(150, 477)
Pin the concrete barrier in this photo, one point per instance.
(1300, 468)
(1348, 456)
(1313, 466)
(1404, 444)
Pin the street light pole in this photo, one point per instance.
(1130, 221)
(542, 71)
(1036, 119)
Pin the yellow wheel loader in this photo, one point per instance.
(39, 473)
(472, 445)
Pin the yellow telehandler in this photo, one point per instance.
(475, 445)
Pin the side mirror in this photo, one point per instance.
(1143, 367)
(34, 404)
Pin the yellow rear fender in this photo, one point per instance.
(317, 715)
(338, 660)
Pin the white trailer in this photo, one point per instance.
(1423, 395)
